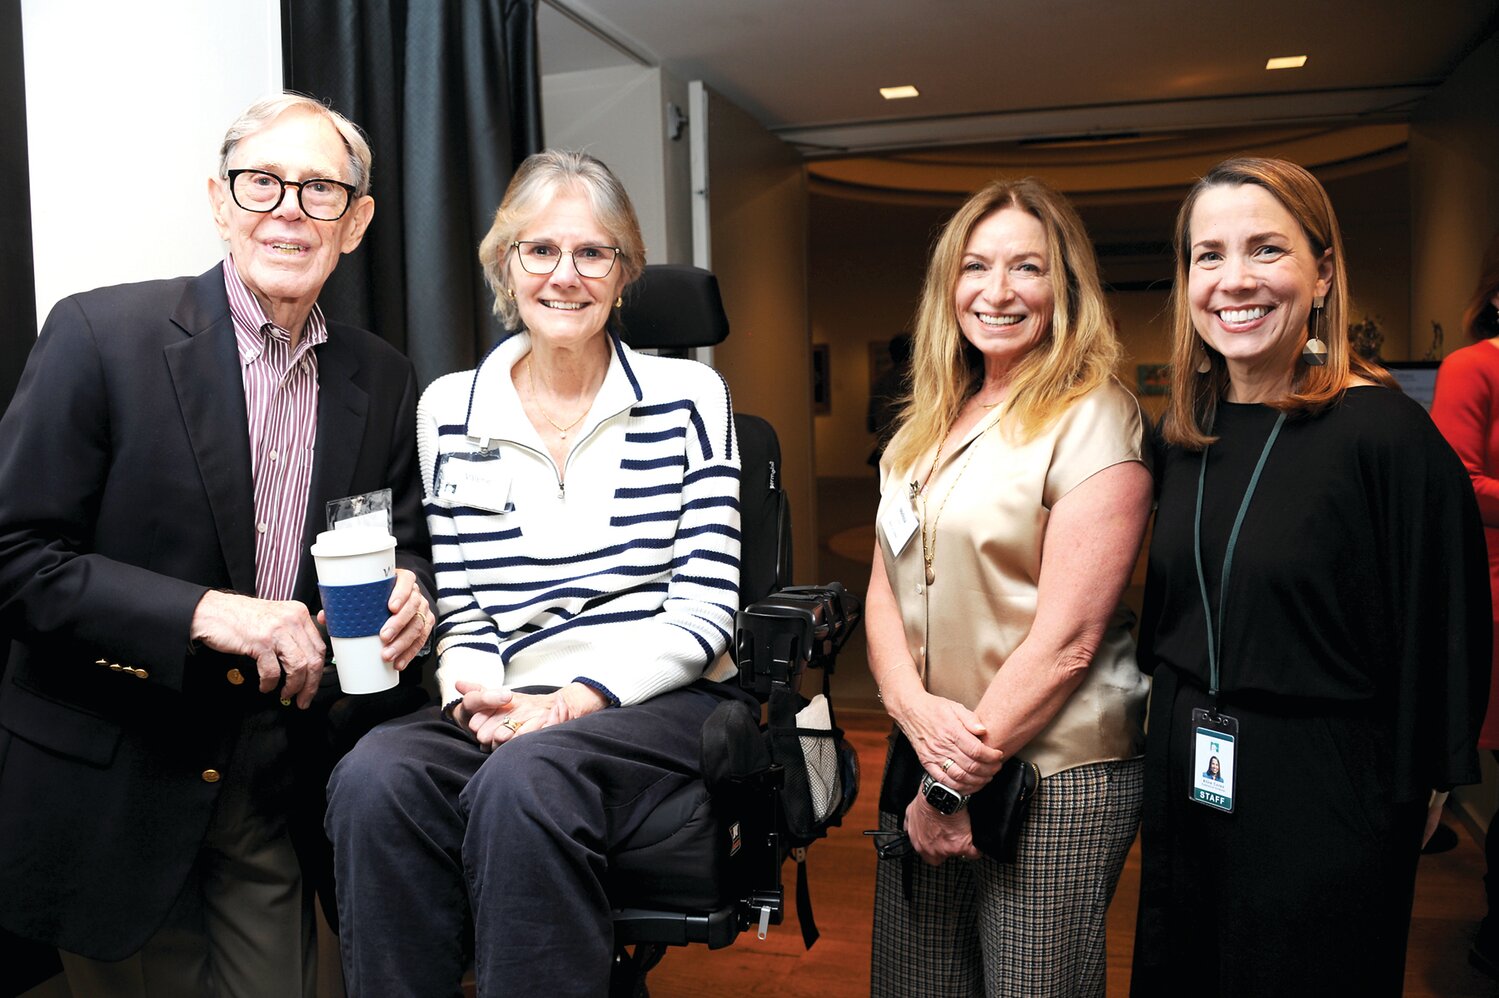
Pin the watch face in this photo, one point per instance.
(944, 800)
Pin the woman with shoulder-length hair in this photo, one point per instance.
(1464, 409)
(1013, 502)
(583, 501)
(1315, 615)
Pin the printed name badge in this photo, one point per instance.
(1215, 745)
(479, 480)
(898, 522)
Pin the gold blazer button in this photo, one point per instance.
(235, 677)
(210, 776)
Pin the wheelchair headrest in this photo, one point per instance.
(673, 306)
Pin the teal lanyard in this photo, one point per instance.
(1215, 634)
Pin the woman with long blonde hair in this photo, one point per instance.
(1013, 502)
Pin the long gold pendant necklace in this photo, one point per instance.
(561, 430)
(918, 492)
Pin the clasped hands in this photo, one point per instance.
(951, 743)
(495, 714)
(285, 643)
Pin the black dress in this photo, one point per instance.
(1355, 656)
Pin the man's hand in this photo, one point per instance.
(405, 633)
(278, 634)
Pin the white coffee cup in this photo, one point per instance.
(356, 569)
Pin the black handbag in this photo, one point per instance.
(996, 812)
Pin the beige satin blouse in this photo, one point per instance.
(987, 562)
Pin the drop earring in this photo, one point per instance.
(510, 293)
(1205, 365)
(1315, 351)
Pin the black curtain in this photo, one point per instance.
(26, 964)
(17, 279)
(449, 94)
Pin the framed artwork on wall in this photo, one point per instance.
(1153, 379)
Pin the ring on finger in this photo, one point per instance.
(947, 764)
(514, 727)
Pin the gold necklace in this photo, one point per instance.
(561, 430)
(929, 537)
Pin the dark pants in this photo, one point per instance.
(1306, 888)
(443, 851)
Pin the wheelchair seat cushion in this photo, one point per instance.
(672, 860)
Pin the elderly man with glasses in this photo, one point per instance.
(164, 466)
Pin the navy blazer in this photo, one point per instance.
(125, 494)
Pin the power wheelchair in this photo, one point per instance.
(707, 865)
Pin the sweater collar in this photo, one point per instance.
(495, 411)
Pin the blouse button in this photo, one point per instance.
(920, 589)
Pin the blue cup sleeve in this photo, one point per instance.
(357, 611)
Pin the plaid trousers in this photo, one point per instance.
(1031, 929)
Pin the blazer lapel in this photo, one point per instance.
(341, 411)
(205, 370)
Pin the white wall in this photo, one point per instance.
(147, 87)
(619, 115)
(757, 221)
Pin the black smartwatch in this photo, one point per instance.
(943, 799)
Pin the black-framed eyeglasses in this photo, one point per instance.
(541, 258)
(321, 198)
(890, 843)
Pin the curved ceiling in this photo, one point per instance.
(1120, 167)
(1105, 100)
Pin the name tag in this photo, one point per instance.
(898, 522)
(1215, 748)
(479, 480)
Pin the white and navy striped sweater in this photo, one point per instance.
(623, 571)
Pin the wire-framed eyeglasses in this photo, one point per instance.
(321, 198)
(541, 258)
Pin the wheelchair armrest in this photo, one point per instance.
(801, 627)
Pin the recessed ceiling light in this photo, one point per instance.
(897, 93)
(1286, 62)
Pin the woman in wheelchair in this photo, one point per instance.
(1013, 501)
(584, 506)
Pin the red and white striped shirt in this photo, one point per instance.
(281, 396)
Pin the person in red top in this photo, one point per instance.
(1464, 409)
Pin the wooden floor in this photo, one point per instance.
(1448, 905)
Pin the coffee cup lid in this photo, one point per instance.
(351, 541)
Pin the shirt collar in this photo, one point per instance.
(252, 327)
